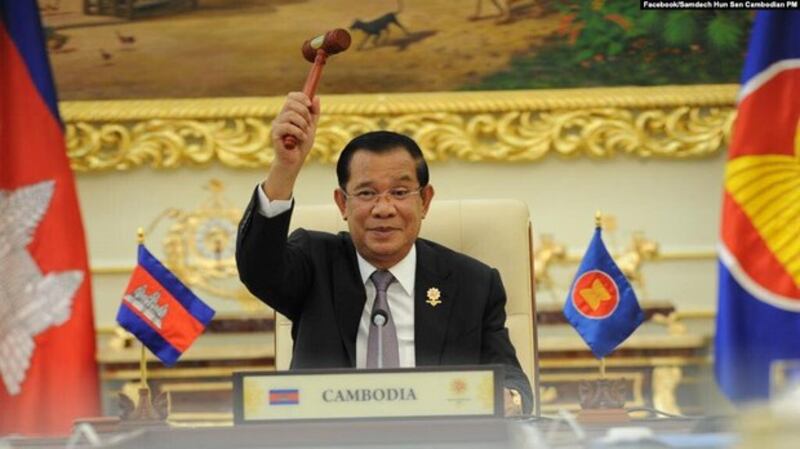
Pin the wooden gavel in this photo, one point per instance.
(317, 50)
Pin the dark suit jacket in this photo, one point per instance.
(313, 279)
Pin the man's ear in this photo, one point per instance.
(341, 202)
(427, 195)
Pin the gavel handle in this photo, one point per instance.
(289, 141)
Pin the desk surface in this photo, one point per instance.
(430, 433)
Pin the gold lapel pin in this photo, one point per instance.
(433, 296)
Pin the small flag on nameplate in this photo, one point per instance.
(284, 397)
(601, 305)
(160, 311)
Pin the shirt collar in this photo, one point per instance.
(404, 271)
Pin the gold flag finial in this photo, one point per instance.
(140, 235)
(598, 219)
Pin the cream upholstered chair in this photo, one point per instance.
(496, 232)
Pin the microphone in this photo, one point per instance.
(379, 319)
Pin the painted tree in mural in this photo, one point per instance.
(615, 43)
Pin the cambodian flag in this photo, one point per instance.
(601, 305)
(160, 311)
(758, 318)
(48, 368)
(284, 397)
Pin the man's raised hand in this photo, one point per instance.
(298, 118)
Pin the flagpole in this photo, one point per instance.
(143, 369)
(601, 292)
(143, 357)
(598, 223)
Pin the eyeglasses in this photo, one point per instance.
(369, 196)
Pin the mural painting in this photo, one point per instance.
(123, 49)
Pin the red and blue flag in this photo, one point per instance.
(601, 304)
(758, 317)
(284, 397)
(161, 311)
(48, 368)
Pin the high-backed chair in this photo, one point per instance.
(496, 232)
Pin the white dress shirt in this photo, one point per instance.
(400, 293)
(271, 208)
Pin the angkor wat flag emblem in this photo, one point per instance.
(161, 311)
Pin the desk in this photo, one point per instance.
(431, 433)
(200, 383)
(664, 370)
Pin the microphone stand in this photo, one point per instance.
(380, 348)
(379, 320)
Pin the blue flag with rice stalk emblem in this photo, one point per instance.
(601, 304)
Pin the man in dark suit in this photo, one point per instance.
(330, 286)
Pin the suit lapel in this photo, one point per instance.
(349, 296)
(431, 322)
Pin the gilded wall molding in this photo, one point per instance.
(504, 126)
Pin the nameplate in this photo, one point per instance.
(352, 394)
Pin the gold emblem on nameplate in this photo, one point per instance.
(433, 296)
(458, 386)
(458, 390)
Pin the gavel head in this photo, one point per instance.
(332, 42)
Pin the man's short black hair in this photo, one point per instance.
(380, 142)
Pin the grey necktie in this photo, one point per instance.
(382, 279)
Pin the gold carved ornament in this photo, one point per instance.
(504, 126)
(630, 261)
(546, 253)
(200, 245)
(665, 384)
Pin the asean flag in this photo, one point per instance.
(601, 304)
(47, 339)
(758, 318)
(161, 311)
